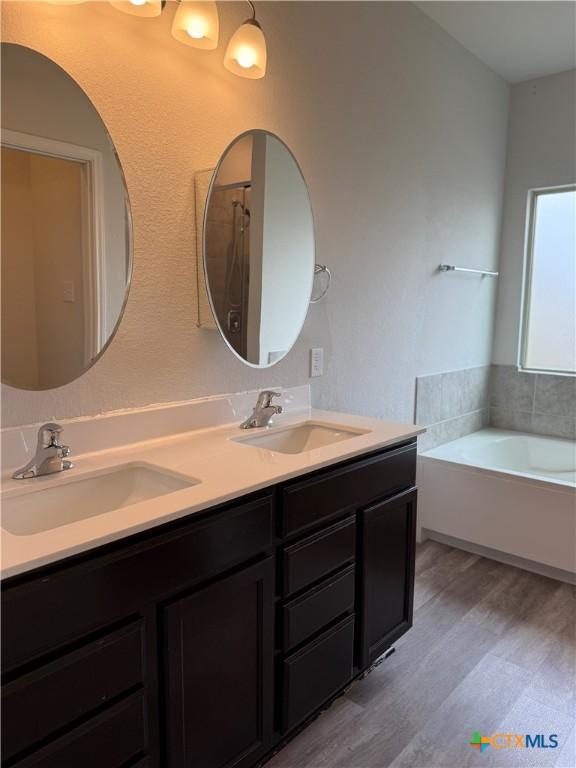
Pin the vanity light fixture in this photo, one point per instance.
(246, 52)
(197, 24)
(143, 8)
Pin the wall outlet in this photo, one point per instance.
(316, 362)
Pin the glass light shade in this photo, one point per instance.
(144, 8)
(246, 52)
(65, 2)
(197, 24)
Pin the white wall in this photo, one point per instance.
(236, 168)
(400, 134)
(288, 252)
(541, 153)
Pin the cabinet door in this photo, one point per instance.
(219, 667)
(388, 543)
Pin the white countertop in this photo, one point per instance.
(226, 470)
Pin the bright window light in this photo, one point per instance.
(549, 323)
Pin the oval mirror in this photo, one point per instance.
(259, 248)
(66, 228)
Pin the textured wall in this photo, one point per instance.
(541, 153)
(401, 135)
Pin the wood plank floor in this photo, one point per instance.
(492, 649)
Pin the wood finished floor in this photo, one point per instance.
(492, 649)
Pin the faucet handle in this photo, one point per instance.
(48, 434)
(265, 397)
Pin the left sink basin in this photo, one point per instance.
(44, 508)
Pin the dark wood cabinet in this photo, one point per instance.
(83, 644)
(388, 542)
(113, 739)
(318, 555)
(219, 648)
(316, 672)
(34, 705)
(332, 492)
(320, 606)
(60, 604)
(206, 641)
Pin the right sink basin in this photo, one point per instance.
(299, 438)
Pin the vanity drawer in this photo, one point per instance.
(308, 502)
(86, 597)
(316, 672)
(318, 555)
(38, 704)
(108, 741)
(306, 615)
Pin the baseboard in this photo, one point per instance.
(502, 557)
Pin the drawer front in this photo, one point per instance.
(306, 503)
(307, 615)
(108, 741)
(89, 596)
(317, 672)
(318, 555)
(36, 705)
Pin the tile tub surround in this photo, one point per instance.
(456, 403)
(452, 404)
(540, 403)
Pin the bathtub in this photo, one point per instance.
(507, 495)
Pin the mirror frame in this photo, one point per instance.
(129, 227)
(223, 155)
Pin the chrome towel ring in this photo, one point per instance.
(319, 269)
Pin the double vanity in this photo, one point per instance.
(194, 598)
(177, 590)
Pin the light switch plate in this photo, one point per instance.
(316, 362)
(68, 291)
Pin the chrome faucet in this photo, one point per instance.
(263, 410)
(50, 454)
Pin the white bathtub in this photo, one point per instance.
(509, 495)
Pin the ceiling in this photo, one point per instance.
(518, 40)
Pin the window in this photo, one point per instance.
(549, 311)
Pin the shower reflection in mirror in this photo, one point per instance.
(228, 230)
(259, 248)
